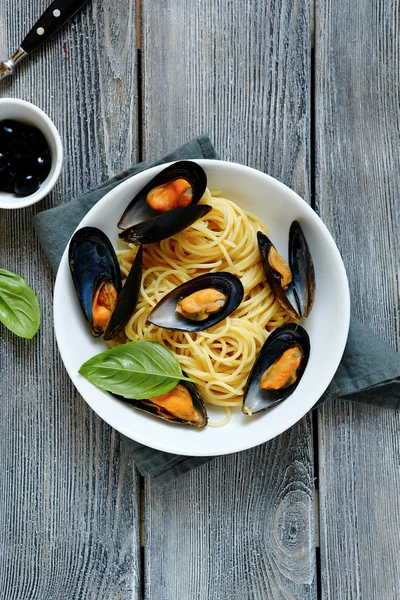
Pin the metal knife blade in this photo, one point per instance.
(54, 17)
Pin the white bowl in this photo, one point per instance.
(327, 325)
(20, 110)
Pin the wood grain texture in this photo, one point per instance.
(238, 70)
(236, 528)
(69, 497)
(357, 183)
(242, 526)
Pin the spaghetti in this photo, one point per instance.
(218, 359)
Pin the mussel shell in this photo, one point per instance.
(302, 267)
(138, 210)
(198, 404)
(164, 313)
(92, 260)
(163, 226)
(127, 298)
(286, 297)
(280, 340)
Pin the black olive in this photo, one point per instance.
(3, 179)
(24, 157)
(3, 162)
(8, 131)
(20, 167)
(20, 158)
(19, 151)
(42, 165)
(12, 169)
(26, 184)
(6, 183)
(9, 187)
(34, 138)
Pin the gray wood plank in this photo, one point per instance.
(242, 526)
(358, 178)
(69, 494)
(236, 70)
(239, 527)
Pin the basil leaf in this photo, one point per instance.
(19, 308)
(136, 370)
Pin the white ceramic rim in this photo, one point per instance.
(299, 410)
(46, 187)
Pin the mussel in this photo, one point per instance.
(182, 405)
(166, 205)
(292, 284)
(96, 274)
(199, 303)
(302, 269)
(278, 368)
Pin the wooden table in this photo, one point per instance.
(310, 95)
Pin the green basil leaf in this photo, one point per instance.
(136, 370)
(19, 308)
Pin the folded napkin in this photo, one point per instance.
(369, 371)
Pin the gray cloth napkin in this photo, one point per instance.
(369, 371)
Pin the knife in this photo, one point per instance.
(54, 17)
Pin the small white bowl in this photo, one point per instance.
(25, 112)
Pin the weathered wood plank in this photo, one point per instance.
(357, 58)
(241, 526)
(69, 497)
(238, 527)
(238, 71)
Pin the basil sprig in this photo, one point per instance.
(136, 370)
(19, 308)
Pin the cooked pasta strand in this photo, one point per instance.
(219, 359)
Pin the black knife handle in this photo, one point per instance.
(54, 17)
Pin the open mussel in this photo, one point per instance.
(302, 269)
(163, 226)
(96, 274)
(278, 368)
(293, 284)
(127, 298)
(166, 205)
(176, 186)
(198, 304)
(182, 405)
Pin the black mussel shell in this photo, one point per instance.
(92, 260)
(138, 210)
(127, 298)
(151, 407)
(302, 267)
(280, 340)
(298, 298)
(164, 225)
(164, 314)
(286, 297)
